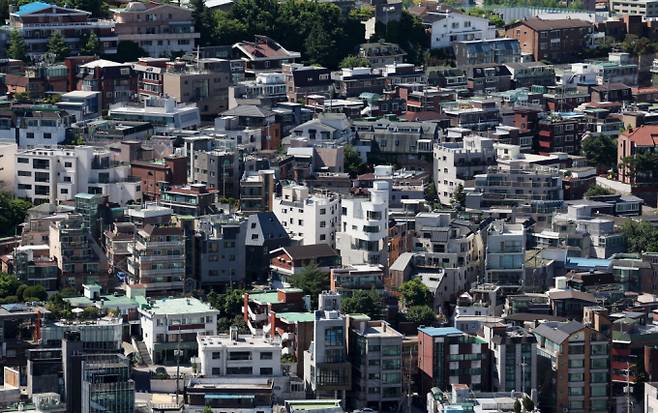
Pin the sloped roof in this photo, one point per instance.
(252, 111)
(305, 252)
(646, 135)
(537, 24)
(558, 332)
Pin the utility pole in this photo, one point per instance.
(177, 364)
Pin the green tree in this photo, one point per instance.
(57, 307)
(430, 193)
(353, 61)
(640, 236)
(207, 409)
(312, 281)
(128, 51)
(363, 13)
(91, 313)
(229, 304)
(415, 293)
(352, 160)
(421, 315)
(91, 46)
(600, 151)
(596, 190)
(459, 197)
(517, 406)
(528, 404)
(367, 302)
(12, 213)
(97, 8)
(228, 30)
(409, 33)
(34, 293)
(203, 21)
(17, 48)
(58, 47)
(8, 285)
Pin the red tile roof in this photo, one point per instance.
(646, 135)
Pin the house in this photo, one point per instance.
(486, 79)
(115, 81)
(556, 40)
(290, 260)
(611, 92)
(631, 144)
(449, 27)
(302, 81)
(487, 51)
(381, 53)
(352, 82)
(264, 55)
(159, 29)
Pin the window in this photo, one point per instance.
(30, 135)
(598, 391)
(68, 164)
(216, 371)
(239, 355)
(24, 173)
(22, 160)
(575, 363)
(47, 135)
(575, 391)
(266, 371)
(576, 377)
(239, 370)
(216, 355)
(333, 336)
(266, 355)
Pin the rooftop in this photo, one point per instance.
(176, 306)
(440, 331)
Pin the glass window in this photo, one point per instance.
(576, 391)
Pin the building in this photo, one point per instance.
(57, 174)
(250, 127)
(488, 79)
(264, 234)
(380, 54)
(192, 200)
(207, 88)
(149, 72)
(645, 8)
(450, 27)
(172, 170)
(83, 105)
(528, 74)
(376, 354)
(34, 266)
(563, 347)
(397, 140)
(560, 133)
(157, 263)
(487, 51)
(267, 89)
(230, 394)
(164, 114)
(37, 21)
(633, 144)
(352, 82)
(264, 55)
(556, 40)
(505, 254)
(650, 397)
(261, 306)
(364, 227)
(302, 81)
(513, 358)
(106, 384)
(220, 246)
(37, 125)
(44, 371)
(116, 82)
(290, 260)
(161, 30)
(477, 115)
(346, 280)
(327, 369)
(172, 323)
(455, 163)
(227, 355)
(257, 191)
(219, 170)
(448, 356)
(308, 218)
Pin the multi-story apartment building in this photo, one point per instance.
(57, 174)
(364, 227)
(557, 40)
(79, 258)
(208, 89)
(220, 246)
(159, 29)
(264, 234)
(327, 369)
(575, 363)
(218, 169)
(164, 114)
(37, 125)
(170, 170)
(505, 254)
(443, 243)
(477, 115)
(513, 357)
(630, 145)
(308, 218)
(257, 191)
(150, 73)
(645, 8)
(487, 51)
(158, 259)
(302, 81)
(117, 238)
(116, 82)
(452, 78)
(169, 324)
(264, 55)
(346, 280)
(381, 53)
(267, 89)
(37, 21)
(619, 68)
(33, 265)
(227, 355)
(250, 127)
(450, 27)
(540, 186)
(528, 74)
(351, 82)
(375, 353)
(447, 356)
(106, 384)
(487, 79)
(83, 105)
(194, 200)
(600, 234)
(456, 163)
(394, 139)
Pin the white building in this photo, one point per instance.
(239, 355)
(170, 323)
(364, 228)
(57, 174)
(458, 162)
(165, 114)
(451, 27)
(505, 253)
(646, 8)
(651, 397)
(308, 219)
(8, 151)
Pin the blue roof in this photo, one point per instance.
(32, 7)
(440, 331)
(578, 262)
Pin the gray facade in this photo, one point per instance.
(488, 51)
(221, 251)
(219, 170)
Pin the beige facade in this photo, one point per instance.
(208, 89)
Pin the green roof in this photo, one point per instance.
(296, 316)
(359, 316)
(85, 195)
(110, 300)
(79, 301)
(270, 297)
(177, 306)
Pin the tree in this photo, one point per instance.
(34, 293)
(528, 404)
(58, 47)
(459, 197)
(203, 20)
(8, 285)
(352, 160)
(4, 10)
(207, 409)
(312, 281)
(91, 313)
(430, 193)
(409, 33)
(415, 293)
(17, 49)
(350, 61)
(12, 213)
(367, 302)
(517, 406)
(421, 315)
(600, 151)
(91, 46)
(640, 236)
(128, 51)
(97, 8)
(596, 190)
